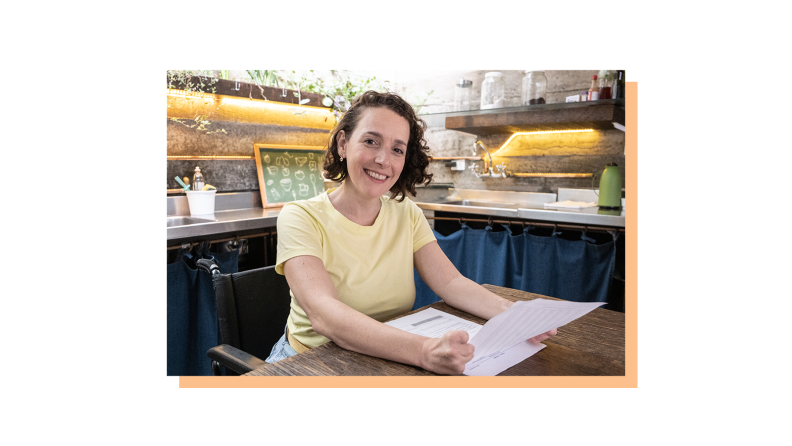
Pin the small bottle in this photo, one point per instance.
(462, 95)
(198, 179)
(618, 85)
(593, 92)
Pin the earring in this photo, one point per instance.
(341, 159)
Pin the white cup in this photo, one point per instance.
(201, 202)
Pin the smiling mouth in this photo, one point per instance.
(375, 175)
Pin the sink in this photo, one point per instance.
(183, 221)
(482, 204)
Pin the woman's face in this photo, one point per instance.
(375, 152)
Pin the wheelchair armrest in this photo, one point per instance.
(234, 358)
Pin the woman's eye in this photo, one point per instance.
(370, 141)
(399, 151)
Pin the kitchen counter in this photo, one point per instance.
(242, 214)
(588, 216)
(239, 213)
(526, 205)
(229, 222)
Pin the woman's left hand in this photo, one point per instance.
(543, 336)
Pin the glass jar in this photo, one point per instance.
(462, 95)
(492, 91)
(605, 83)
(534, 88)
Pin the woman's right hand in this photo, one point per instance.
(447, 355)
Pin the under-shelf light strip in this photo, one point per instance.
(552, 175)
(191, 94)
(540, 132)
(245, 101)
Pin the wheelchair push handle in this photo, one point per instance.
(208, 266)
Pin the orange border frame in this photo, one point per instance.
(629, 380)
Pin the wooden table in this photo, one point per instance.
(592, 345)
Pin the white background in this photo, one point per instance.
(84, 159)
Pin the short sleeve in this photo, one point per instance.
(298, 235)
(422, 233)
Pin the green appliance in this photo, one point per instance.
(610, 187)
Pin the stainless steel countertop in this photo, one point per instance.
(234, 213)
(226, 222)
(242, 212)
(528, 205)
(588, 216)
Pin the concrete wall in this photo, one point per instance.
(230, 175)
(581, 153)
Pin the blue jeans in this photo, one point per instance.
(281, 350)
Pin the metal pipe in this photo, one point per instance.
(478, 143)
(212, 242)
(551, 175)
(489, 173)
(531, 223)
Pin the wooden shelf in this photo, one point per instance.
(562, 116)
(253, 91)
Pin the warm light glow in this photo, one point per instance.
(553, 175)
(191, 94)
(210, 157)
(215, 107)
(540, 132)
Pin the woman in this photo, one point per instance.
(349, 254)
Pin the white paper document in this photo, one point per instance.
(434, 323)
(502, 341)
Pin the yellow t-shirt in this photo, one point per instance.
(371, 266)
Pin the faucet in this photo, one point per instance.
(488, 165)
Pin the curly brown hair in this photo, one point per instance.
(417, 156)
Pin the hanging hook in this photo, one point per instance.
(583, 236)
(489, 221)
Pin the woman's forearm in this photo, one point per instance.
(347, 327)
(455, 289)
(355, 331)
(466, 295)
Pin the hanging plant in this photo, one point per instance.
(342, 90)
(186, 80)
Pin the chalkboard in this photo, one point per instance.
(288, 173)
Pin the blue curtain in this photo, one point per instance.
(576, 270)
(192, 312)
